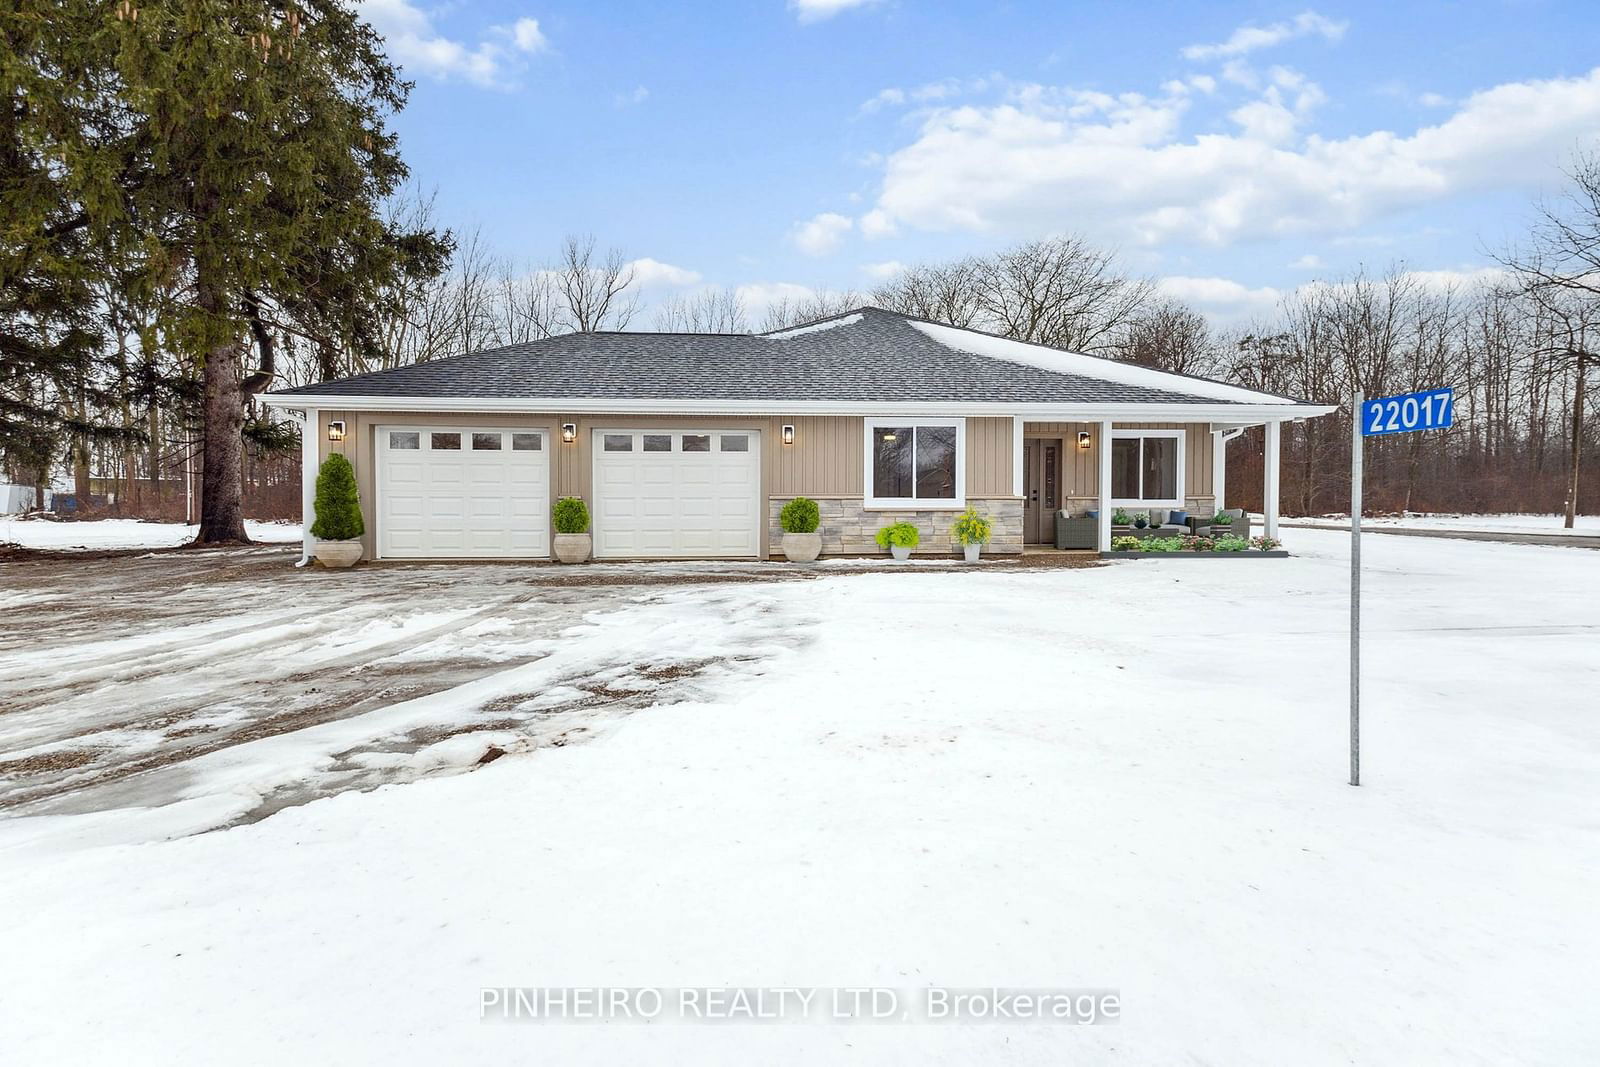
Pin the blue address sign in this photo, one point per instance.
(1431, 410)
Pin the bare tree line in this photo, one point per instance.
(1517, 347)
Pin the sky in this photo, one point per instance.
(1231, 151)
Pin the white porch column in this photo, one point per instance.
(310, 450)
(1269, 488)
(1104, 457)
(1016, 456)
(1219, 468)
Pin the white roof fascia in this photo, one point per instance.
(1159, 411)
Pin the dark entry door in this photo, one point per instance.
(1041, 463)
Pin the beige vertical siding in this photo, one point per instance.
(1083, 467)
(825, 459)
(989, 457)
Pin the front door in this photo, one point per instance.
(1041, 465)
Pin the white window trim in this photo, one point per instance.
(877, 503)
(1182, 437)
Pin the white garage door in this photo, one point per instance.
(665, 493)
(463, 492)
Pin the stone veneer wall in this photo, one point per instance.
(849, 529)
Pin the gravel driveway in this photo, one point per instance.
(142, 679)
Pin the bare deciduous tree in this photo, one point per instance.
(596, 291)
(822, 304)
(711, 311)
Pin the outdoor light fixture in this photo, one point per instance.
(788, 435)
(1083, 438)
(336, 430)
(569, 432)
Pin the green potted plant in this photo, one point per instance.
(972, 531)
(571, 519)
(800, 518)
(338, 526)
(899, 538)
(1141, 520)
(1120, 517)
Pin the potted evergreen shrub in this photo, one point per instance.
(899, 538)
(571, 518)
(800, 518)
(971, 531)
(338, 526)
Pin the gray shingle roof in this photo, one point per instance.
(867, 356)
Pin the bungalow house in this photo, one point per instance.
(688, 445)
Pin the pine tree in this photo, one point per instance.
(260, 159)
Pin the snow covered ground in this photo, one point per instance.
(1129, 777)
(1585, 525)
(105, 534)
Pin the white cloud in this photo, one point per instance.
(649, 272)
(1309, 261)
(412, 41)
(638, 95)
(883, 271)
(1221, 298)
(1250, 38)
(527, 35)
(1229, 303)
(759, 297)
(1433, 100)
(1056, 158)
(817, 10)
(820, 235)
(931, 92)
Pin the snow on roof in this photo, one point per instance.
(1063, 362)
(815, 327)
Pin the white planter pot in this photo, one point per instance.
(573, 548)
(971, 552)
(900, 552)
(802, 547)
(339, 553)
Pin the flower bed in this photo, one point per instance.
(1195, 546)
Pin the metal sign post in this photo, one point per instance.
(1356, 456)
(1430, 410)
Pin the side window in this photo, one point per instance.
(444, 442)
(696, 442)
(486, 442)
(618, 442)
(526, 442)
(406, 441)
(658, 442)
(735, 442)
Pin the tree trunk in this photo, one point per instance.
(221, 469)
(1577, 443)
(155, 457)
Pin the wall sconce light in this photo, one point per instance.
(1083, 438)
(336, 430)
(569, 432)
(788, 435)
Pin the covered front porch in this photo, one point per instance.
(1096, 467)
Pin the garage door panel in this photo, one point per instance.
(682, 502)
(462, 502)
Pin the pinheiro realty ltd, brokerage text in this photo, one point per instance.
(797, 1004)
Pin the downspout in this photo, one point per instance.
(1219, 464)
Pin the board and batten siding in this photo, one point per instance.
(826, 459)
(1082, 480)
(989, 457)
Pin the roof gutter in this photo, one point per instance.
(1062, 412)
